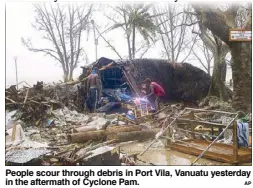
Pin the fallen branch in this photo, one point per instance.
(11, 100)
(26, 95)
(161, 110)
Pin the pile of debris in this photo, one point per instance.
(78, 144)
(44, 125)
(72, 138)
(35, 104)
(214, 103)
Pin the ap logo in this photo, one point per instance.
(247, 183)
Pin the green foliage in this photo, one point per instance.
(139, 18)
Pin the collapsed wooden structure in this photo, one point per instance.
(181, 81)
(189, 120)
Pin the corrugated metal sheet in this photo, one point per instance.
(100, 151)
(24, 156)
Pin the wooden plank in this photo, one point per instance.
(244, 154)
(192, 124)
(235, 142)
(244, 158)
(215, 111)
(241, 150)
(122, 118)
(197, 152)
(132, 82)
(204, 123)
(215, 140)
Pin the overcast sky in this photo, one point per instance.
(33, 67)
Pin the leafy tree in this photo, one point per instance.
(219, 20)
(135, 18)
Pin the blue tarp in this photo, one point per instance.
(118, 95)
(125, 98)
(242, 134)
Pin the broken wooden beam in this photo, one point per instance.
(87, 136)
(215, 111)
(204, 123)
(84, 129)
(136, 135)
(26, 95)
(161, 110)
(96, 135)
(117, 129)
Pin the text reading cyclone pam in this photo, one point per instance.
(92, 178)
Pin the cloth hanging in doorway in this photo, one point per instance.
(242, 134)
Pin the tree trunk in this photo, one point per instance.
(128, 37)
(71, 74)
(220, 23)
(172, 36)
(87, 136)
(129, 47)
(65, 76)
(218, 87)
(68, 74)
(133, 42)
(241, 75)
(82, 137)
(209, 68)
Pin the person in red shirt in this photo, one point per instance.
(154, 91)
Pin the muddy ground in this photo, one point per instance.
(159, 155)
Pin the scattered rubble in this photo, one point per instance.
(214, 103)
(34, 105)
(44, 126)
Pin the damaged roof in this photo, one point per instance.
(24, 156)
(181, 81)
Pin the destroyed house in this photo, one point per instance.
(181, 81)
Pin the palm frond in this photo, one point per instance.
(117, 25)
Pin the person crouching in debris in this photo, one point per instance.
(153, 91)
(94, 90)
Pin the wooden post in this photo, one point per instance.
(13, 135)
(212, 132)
(192, 117)
(118, 148)
(135, 112)
(168, 132)
(235, 142)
